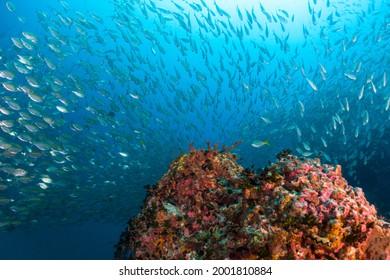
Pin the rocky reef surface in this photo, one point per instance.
(209, 207)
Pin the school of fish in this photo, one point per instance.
(93, 105)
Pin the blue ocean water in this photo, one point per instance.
(98, 97)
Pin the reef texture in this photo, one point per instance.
(208, 207)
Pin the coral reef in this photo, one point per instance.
(208, 207)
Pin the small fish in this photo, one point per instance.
(307, 154)
(350, 76)
(312, 85)
(50, 64)
(9, 86)
(220, 11)
(245, 85)
(7, 75)
(19, 172)
(343, 129)
(346, 104)
(266, 120)
(30, 36)
(334, 123)
(338, 119)
(5, 200)
(76, 127)
(323, 70)
(43, 186)
(373, 87)
(35, 97)
(357, 130)
(239, 13)
(284, 12)
(10, 6)
(17, 42)
(299, 133)
(361, 93)
(259, 143)
(178, 6)
(135, 96)
(25, 60)
(304, 153)
(302, 106)
(79, 93)
(7, 123)
(324, 142)
(359, 67)
(248, 15)
(62, 109)
(306, 146)
(4, 111)
(32, 82)
(47, 180)
(366, 117)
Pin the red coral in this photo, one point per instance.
(207, 207)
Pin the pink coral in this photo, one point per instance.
(208, 207)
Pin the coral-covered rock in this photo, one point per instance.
(208, 207)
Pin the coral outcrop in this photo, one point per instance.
(209, 207)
